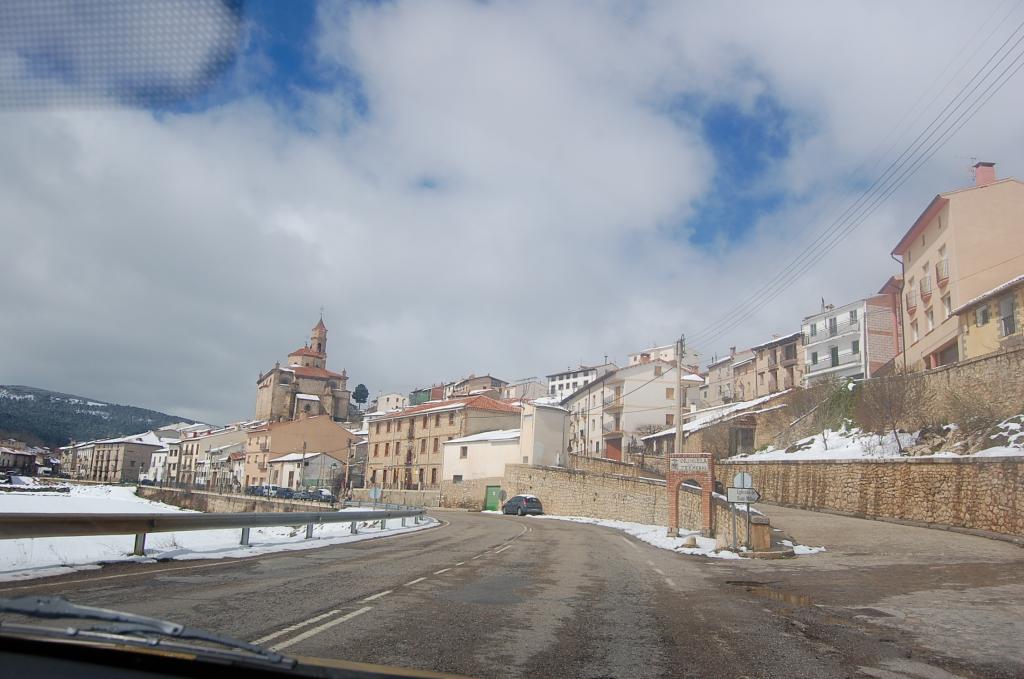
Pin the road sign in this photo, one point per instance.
(743, 480)
(688, 465)
(742, 495)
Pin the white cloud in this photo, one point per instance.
(508, 203)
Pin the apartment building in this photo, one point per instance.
(523, 390)
(778, 365)
(405, 448)
(123, 459)
(718, 387)
(562, 384)
(392, 401)
(993, 320)
(195, 450)
(966, 242)
(475, 385)
(307, 436)
(852, 341)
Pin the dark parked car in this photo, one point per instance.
(302, 495)
(324, 495)
(522, 505)
(253, 490)
(147, 482)
(284, 493)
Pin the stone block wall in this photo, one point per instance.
(203, 501)
(602, 465)
(984, 494)
(468, 494)
(413, 498)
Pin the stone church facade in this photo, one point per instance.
(303, 387)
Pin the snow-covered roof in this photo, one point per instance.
(294, 457)
(496, 435)
(11, 451)
(715, 414)
(307, 397)
(693, 378)
(147, 439)
(994, 291)
(742, 363)
(778, 340)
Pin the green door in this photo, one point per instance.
(492, 500)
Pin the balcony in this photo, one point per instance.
(844, 359)
(942, 272)
(611, 429)
(612, 403)
(926, 289)
(838, 330)
(911, 298)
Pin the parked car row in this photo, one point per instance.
(282, 493)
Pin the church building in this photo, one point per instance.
(303, 387)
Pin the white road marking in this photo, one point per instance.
(659, 571)
(292, 628)
(415, 581)
(443, 570)
(629, 543)
(460, 563)
(478, 556)
(378, 595)
(320, 628)
(670, 583)
(499, 551)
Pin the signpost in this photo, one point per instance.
(743, 480)
(741, 495)
(688, 466)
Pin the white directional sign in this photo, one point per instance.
(742, 495)
(688, 465)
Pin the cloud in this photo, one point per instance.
(510, 189)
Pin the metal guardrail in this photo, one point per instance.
(19, 526)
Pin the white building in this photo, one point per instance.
(312, 470)
(385, 402)
(851, 341)
(562, 384)
(664, 353)
(527, 389)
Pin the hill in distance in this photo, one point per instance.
(53, 419)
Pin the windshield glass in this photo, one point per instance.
(516, 338)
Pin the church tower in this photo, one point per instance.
(318, 340)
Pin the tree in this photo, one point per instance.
(888, 403)
(361, 394)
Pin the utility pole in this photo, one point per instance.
(680, 348)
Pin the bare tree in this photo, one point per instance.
(887, 404)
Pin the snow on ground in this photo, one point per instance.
(656, 536)
(854, 444)
(41, 557)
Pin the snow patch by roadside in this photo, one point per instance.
(41, 557)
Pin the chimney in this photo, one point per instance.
(732, 351)
(984, 173)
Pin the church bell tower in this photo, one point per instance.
(318, 340)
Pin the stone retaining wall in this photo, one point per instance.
(203, 501)
(468, 494)
(412, 498)
(985, 494)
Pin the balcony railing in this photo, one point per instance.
(926, 289)
(911, 297)
(834, 331)
(826, 363)
(942, 271)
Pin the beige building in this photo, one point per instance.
(993, 320)
(303, 386)
(744, 377)
(192, 464)
(965, 243)
(405, 449)
(473, 385)
(718, 387)
(308, 435)
(122, 460)
(778, 365)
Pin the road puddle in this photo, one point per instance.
(764, 590)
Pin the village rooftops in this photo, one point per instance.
(459, 403)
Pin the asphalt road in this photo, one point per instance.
(490, 596)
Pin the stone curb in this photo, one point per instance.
(774, 554)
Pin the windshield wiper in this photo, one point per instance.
(129, 624)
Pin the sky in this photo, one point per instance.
(464, 187)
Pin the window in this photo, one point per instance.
(1007, 309)
(426, 421)
(657, 371)
(436, 443)
(433, 476)
(853, 315)
(670, 393)
(929, 318)
(376, 450)
(398, 425)
(670, 419)
(760, 378)
(855, 348)
(981, 315)
(832, 326)
(423, 445)
(463, 452)
(387, 448)
(833, 353)
(437, 420)
(378, 427)
(814, 329)
(947, 307)
(457, 478)
(552, 390)
(914, 333)
(388, 427)
(451, 418)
